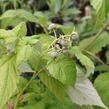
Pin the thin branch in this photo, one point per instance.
(97, 58)
(12, 105)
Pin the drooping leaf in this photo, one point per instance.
(83, 59)
(8, 80)
(63, 69)
(84, 93)
(102, 86)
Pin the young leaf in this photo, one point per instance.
(102, 86)
(8, 80)
(84, 60)
(63, 69)
(84, 93)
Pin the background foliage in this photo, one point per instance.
(54, 54)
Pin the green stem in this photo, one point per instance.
(27, 85)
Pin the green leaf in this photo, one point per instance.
(101, 7)
(36, 105)
(53, 85)
(11, 36)
(64, 3)
(63, 69)
(20, 30)
(27, 16)
(84, 93)
(14, 17)
(102, 86)
(29, 96)
(41, 18)
(21, 84)
(8, 36)
(53, 103)
(8, 80)
(36, 61)
(46, 41)
(70, 11)
(24, 52)
(107, 57)
(84, 107)
(66, 29)
(96, 46)
(10, 22)
(55, 5)
(101, 68)
(28, 50)
(83, 59)
(25, 67)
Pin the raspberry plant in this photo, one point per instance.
(57, 67)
